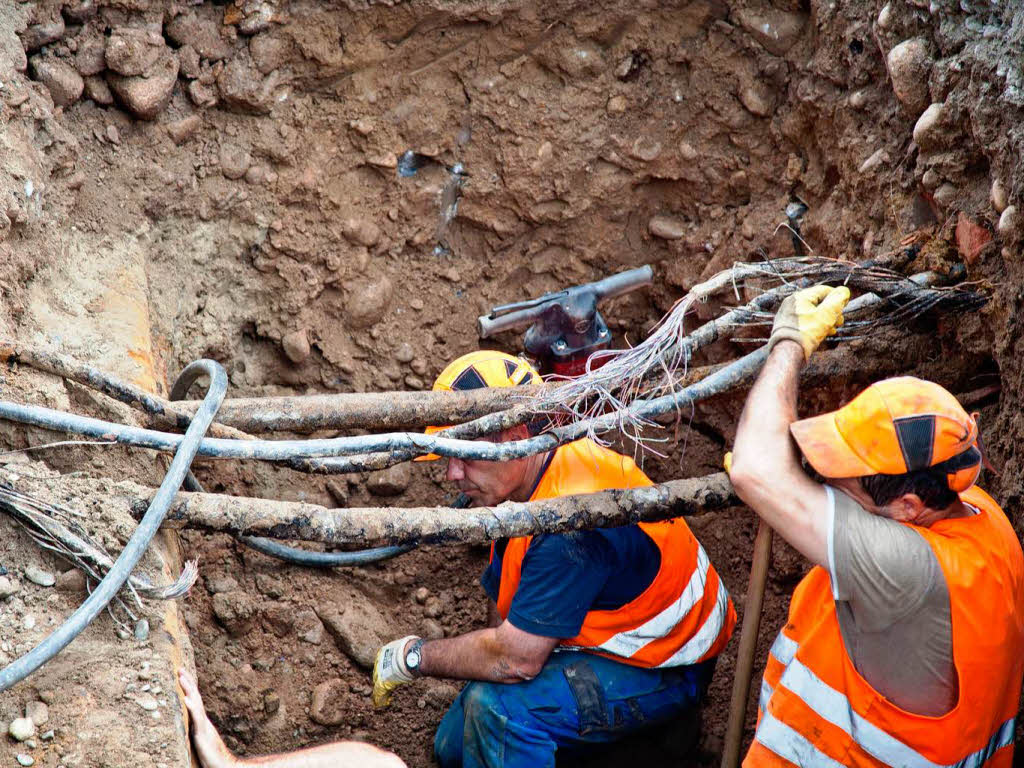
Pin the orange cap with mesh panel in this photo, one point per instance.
(476, 370)
(893, 427)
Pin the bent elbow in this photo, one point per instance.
(530, 668)
(519, 670)
(746, 480)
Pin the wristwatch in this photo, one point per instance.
(414, 656)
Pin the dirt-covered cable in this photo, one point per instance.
(293, 555)
(444, 525)
(304, 557)
(116, 577)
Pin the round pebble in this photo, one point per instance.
(405, 352)
(7, 587)
(25, 760)
(39, 576)
(21, 729)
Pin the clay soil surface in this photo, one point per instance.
(231, 180)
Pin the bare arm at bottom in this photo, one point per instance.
(213, 752)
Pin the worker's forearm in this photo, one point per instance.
(766, 471)
(476, 655)
(339, 754)
(763, 452)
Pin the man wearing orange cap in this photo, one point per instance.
(905, 643)
(602, 632)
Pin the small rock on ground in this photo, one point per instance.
(8, 587)
(132, 51)
(71, 581)
(39, 576)
(182, 130)
(21, 729)
(234, 161)
(145, 97)
(218, 584)
(63, 82)
(389, 482)
(37, 712)
(235, 611)
(360, 631)
(25, 760)
(909, 65)
(368, 302)
(328, 707)
(309, 627)
(666, 227)
(295, 344)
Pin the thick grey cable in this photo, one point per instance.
(334, 559)
(722, 380)
(284, 450)
(111, 584)
(293, 555)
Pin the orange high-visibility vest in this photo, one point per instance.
(816, 710)
(683, 617)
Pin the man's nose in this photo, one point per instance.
(455, 470)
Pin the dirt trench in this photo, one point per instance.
(237, 175)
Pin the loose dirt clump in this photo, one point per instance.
(324, 196)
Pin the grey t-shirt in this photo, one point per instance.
(893, 607)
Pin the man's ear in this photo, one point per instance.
(908, 508)
(518, 432)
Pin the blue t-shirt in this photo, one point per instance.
(565, 575)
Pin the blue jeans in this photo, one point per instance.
(577, 701)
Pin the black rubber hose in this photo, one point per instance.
(296, 555)
(118, 574)
(304, 557)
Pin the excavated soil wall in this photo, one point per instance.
(237, 175)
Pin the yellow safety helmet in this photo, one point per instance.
(476, 370)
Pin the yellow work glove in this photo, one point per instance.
(809, 316)
(390, 671)
(727, 462)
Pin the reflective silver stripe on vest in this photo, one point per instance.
(766, 693)
(791, 745)
(629, 642)
(783, 649)
(833, 706)
(705, 637)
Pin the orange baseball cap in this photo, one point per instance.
(476, 370)
(893, 427)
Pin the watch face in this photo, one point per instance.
(412, 658)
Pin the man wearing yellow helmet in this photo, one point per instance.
(602, 631)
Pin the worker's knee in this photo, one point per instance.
(449, 736)
(481, 703)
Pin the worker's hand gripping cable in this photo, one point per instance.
(810, 316)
